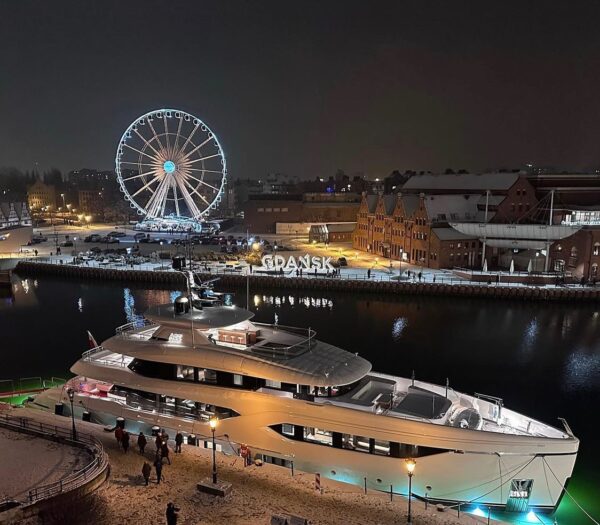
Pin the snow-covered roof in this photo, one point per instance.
(451, 207)
(372, 203)
(341, 227)
(462, 182)
(389, 203)
(410, 203)
(450, 234)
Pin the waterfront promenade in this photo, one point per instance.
(258, 491)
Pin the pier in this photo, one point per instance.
(454, 288)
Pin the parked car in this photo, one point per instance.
(116, 234)
(66, 244)
(93, 238)
(95, 249)
(139, 236)
(109, 240)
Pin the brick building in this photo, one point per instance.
(411, 228)
(40, 195)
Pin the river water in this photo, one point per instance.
(543, 359)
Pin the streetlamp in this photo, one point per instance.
(410, 467)
(63, 198)
(71, 394)
(213, 427)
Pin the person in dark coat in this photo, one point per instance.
(164, 451)
(125, 441)
(158, 467)
(146, 470)
(119, 435)
(172, 515)
(142, 443)
(158, 441)
(178, 442)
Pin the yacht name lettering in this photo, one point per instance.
(293, 263)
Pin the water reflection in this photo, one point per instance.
(279, 301)
(582, 371)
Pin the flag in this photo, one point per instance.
(92, 341)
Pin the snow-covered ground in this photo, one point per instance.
(29, 462)
(258, 492)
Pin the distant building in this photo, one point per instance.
(263, 212)
(14, 214)
(40, 195)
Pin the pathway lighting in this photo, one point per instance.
(410, 467)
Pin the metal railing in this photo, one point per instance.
(76, 479)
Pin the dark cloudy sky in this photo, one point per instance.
(306, 87)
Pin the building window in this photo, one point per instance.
(597, 248)
(260, 210)
(284, 210)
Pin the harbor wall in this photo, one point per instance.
(262, 282)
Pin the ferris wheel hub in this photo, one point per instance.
(169, 166)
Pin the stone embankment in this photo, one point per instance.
(263, 282)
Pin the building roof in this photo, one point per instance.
(463, 182)
(450, 234)
(410, 203)
(389, 203)
(451, 207)
(372, 202)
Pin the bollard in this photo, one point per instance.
(391, 494)
(365, 485)
(292, 468)
(459, 510)
(489, 511)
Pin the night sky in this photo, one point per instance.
(307, 87)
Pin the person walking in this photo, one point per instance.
(178, 442)
(164, 451)
(119, 435)
(172, 515)
(141, 441)
(158, 467)
(369, 273)
(125, 442)
(146, 471)
(158, 441)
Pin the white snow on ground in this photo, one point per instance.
(29, 462)
(258, 492)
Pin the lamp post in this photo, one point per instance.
(410, 467)
(213, 427)
(71, 394)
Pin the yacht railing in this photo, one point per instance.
(110, 359)
(133, 325)
(87, 355)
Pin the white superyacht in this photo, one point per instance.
(289, 397)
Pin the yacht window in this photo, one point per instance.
(382, 448)
(287, 429)
(272, 384)
(238, 379)
(318, 435)
(185, 372)
(175, 338)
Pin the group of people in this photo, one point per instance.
(123, 438)
(162, 453)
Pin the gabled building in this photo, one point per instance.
(14, 214)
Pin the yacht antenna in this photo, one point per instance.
(413, 378)
(247, 289)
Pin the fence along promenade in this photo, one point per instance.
(93, 470)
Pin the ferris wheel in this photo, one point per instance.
(170, 164)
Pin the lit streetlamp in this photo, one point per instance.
(410, 467)
(71, 394)
(213, 427)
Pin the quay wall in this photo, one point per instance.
(530, 293)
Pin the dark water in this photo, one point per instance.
(542, 359)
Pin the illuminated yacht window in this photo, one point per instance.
(185, 372)
(287, 429)
(272, 384)
(175, 338)
(318, 435)
(238, 379)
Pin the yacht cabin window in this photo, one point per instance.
(238, 379)
(272, 384)
(185, 372)
(318, 435)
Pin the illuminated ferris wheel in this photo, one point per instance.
(170, 164)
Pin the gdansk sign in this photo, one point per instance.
(307, 262)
